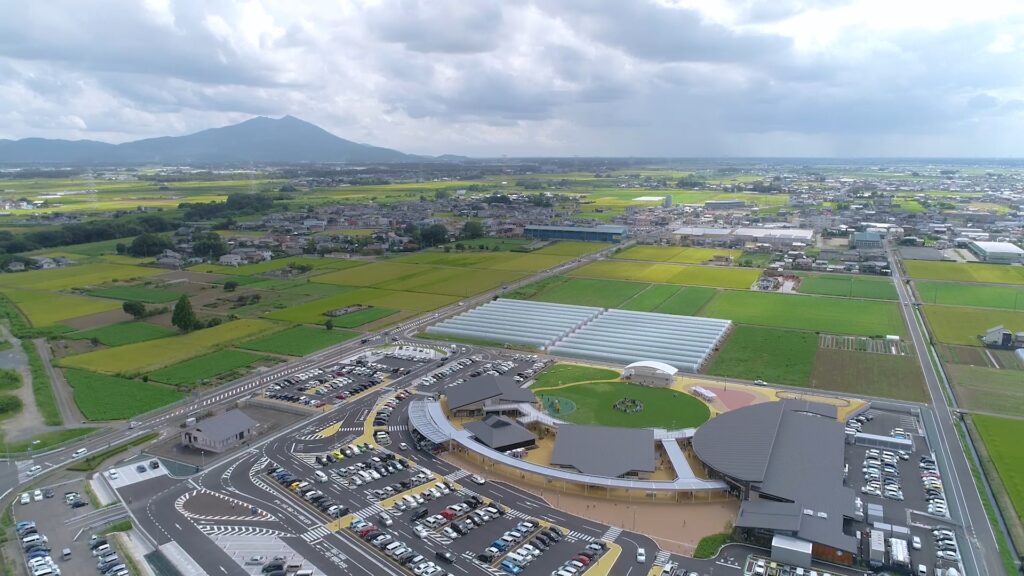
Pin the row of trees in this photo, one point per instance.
(71, 234)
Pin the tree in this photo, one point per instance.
(183, 317)
(148, 244)
(329, 324)
(136, 309)
(230, 286)
(209, 245)
(121, 247)
(472, 229)
(434, 234)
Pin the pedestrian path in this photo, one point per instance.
(218, 530)
(456, 476)
(370, 511)
(662, 557)
(574, 536)
(316, 534)
(611, 534)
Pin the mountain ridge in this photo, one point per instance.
(259, 139)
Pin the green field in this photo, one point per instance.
(965, 272)
(883, 375)
(79, 276)
(144, 357)
(102, 397)
(713, 276)
(588, 292)
(849, 286)
(48, 308)
(814, 313)
(1002, 437)
(954, 294)
(490, 243)
(268, 265)
(651, 297)
(676, 254)
(123, 333)
(138, 294)
(571, 249)
(562, 373)
(508, 261)
(963, 325)
(355, 319)
(769, 354)
(190, 372)
(299, 340)
(594, 404)
(687, 302)
(988, 389)
(313, 312)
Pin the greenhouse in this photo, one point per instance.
(619, 336)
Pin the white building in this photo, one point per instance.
(730, 237)
(650, 373)
(996, 252)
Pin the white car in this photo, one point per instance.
(477, 479)
(25, 498)
(112, 474)
(35, 470)
(403, 446)
(37, 495)
(916, 543)
(641, 555)
(79, 452)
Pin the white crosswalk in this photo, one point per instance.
(316, 534)
(456, 476)
(662, 557)
(371, 510)
(490, 569)
(397, 428)
(611, 534)
(516, 514)
(574, 536)
(216, 530)
(309, 459)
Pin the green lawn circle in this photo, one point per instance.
(594, 404)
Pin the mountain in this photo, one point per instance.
(260, 139)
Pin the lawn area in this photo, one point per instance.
(79, 276)
(965, 272)
(562, 373)
(963, 325)
(814, 313)
(313, 312)
(954, 294)
(714, 276)
(123, 333)
(1002, 437)
(261, 267)
(102, 397)
(884, 375)
(48, 439)
(589, 292)
(138, 294)
(773, 355)
(849, 286)
(299, 340)
(678, 254)
(143, 357)
(988, 389)
(354, 319)
(47, 308)
(688, 301)
(202, 368)
(594, 404)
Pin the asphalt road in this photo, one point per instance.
(965, 506)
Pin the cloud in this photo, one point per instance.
(530, 77)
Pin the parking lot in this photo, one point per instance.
(906, 487)
(63, 518)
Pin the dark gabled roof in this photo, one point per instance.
(793, 452)
(226, 425)
(487, 387)
(604, 451)
(499, 431)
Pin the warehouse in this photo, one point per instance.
(739, 237)
(785, 459)
(866, 241)
(602, 233)
(996, 252)
(650, 373)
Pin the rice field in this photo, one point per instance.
(849, 286)
(103, 397)
(713, 276)
(144, 357)
(589, 292)
(964, 325)
(48, 308)
(510, 261)
(267, 266)
(677, 254)
(956, 294)
(813, 313)
(313, 312)
(965, 272)
(988, 389)
(77, 276)
(122, 333)
(137, 293)
(571, 249)
(769, 354)
(197, 370)
(299, 341)
(1002, 440)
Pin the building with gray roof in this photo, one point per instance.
(219, 433)
(501, 433)
(487, 393)
(605, 451)
(786, 461)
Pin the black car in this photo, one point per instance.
(419, 515)
(445, 556)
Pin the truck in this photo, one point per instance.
(876, 555)
(899, 553)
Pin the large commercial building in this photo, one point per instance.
(866, 241)
(996, 252)
(501, 433)
(786, 460)
(603, 233)
(738, 237)
(605, 451)
(487, 394)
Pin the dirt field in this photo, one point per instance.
(885, 375)
(97, 320)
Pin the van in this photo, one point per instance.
(306, 572)
(320, 476)
(922, 570)
(32, 539)
(65, 554)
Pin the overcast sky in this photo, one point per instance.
(550, 77)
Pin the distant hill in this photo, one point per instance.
(259, 139)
